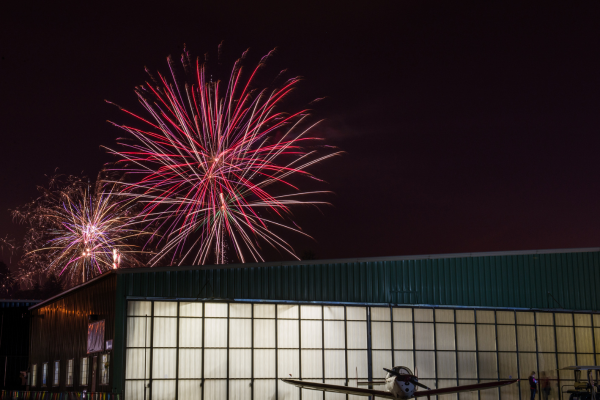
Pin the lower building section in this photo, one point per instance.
(238, 350)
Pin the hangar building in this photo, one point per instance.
(230, 331)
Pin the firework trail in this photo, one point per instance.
(77, 231)
(212, 161)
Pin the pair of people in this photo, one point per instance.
(533, 383)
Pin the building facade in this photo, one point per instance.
(230, 332)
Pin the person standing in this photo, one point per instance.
(545, 381)
(532, 384)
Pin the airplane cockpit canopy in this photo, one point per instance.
(403, 370)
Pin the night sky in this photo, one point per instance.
(467, 126)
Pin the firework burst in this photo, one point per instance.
(208, 159)
(77, 231)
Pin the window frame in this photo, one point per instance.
(70, 368)
(84, 376)
(56, 374)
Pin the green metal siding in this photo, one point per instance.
(516, 281)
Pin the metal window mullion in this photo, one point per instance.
(556, 353)
(252, 351)
(412, 310)
(574, 340)
(369, 348)
(456, 352)
(151, 349)
(392, 333)
(435, 353)
(323, 346)
(227, 350)
(346, 346)
(537, 355)
(477, 352)
(518, 354)
(203, 352)
(276, 355)
(177, 356)
(497, 354)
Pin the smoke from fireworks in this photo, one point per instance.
(207, 160)
(77, 231)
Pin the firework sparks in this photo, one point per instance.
(208, 160)
(77, 231)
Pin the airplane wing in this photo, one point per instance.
(466, 388)
(338, 388)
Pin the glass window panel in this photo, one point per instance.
(596, 318)
(264, 364)
(584, 340)
(444, 315)
(188, 390)
(240, 363)
(165, 309)
(525, 318)
(485, 317)
(445, 383)
(335, 396)
(288, 362)
(526, 338)
(216, 332)
(510, 392)
(467, 365)
(288, 334)
(287, 311)
(544, 318)
(423, 314)
(264, 333)
(357, 361)
(163, 390)
(357, 335)
(264, 310)
(312, 364)
(444, 336)
(190, 363)
(163, 363)
(287, 392)
(137, 328)
(423, 336)
(190, 309)
(566, 360)
(585, 359)
(425, 362)
(190, 332)
(215, 310)
(311, 334)
(381, 335)
(134, 390)
(333, 312)
(545, 338)
(508, 365)
(215, 389)
(486, 337)
(446, 365)
(135, 360)
(403, 335)
(489, 394)
(70, 371)
(310, 312)
(356, 313)
(527, 363)
(405, 358)
(582, 319)
(139, 308)
(488, 365)
(381, 359)
(308, 394)
(546, 363)
(240, 389)
(264, 389)
(215, 363)
(165, 332)
(335, 335)
(564, 340)
(469, 395)
(597, 339)
(240, 333)
(507, 338)
(465, 316)
(524, 387)
(240, 310)
(380, 314)
(505, 317)
(465, 337)
(563, 319)
(335, 364)
(402, 314)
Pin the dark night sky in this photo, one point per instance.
(468, 126)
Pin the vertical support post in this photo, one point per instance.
(369, 349)
(203, 352)
(177, 355)
(227, 354)
(323, 344)
(392, 337)
(276, 354)
(346, 347)
(300, 345)
(477, 352)
(252, 351)
(151, 349)
(518, 355)
(456, 352)
(556, 356)
(435, 352)
(497, 353)
(537, 354)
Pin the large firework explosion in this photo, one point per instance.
(77, 231)
(211, 163)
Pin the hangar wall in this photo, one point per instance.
(238, 350)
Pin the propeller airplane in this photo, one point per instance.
(400, 383)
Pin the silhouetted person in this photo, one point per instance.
(545, 381)
(532, 384)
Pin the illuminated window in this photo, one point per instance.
(33, 374)
(70, 372)
(84, 371)
(56, 380)
(104, 369)
(45, 374)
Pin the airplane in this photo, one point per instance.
(400, 383)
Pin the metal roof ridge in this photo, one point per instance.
(354, 260)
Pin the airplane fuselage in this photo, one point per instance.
(400, 388)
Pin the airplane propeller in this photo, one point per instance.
(402, 376)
